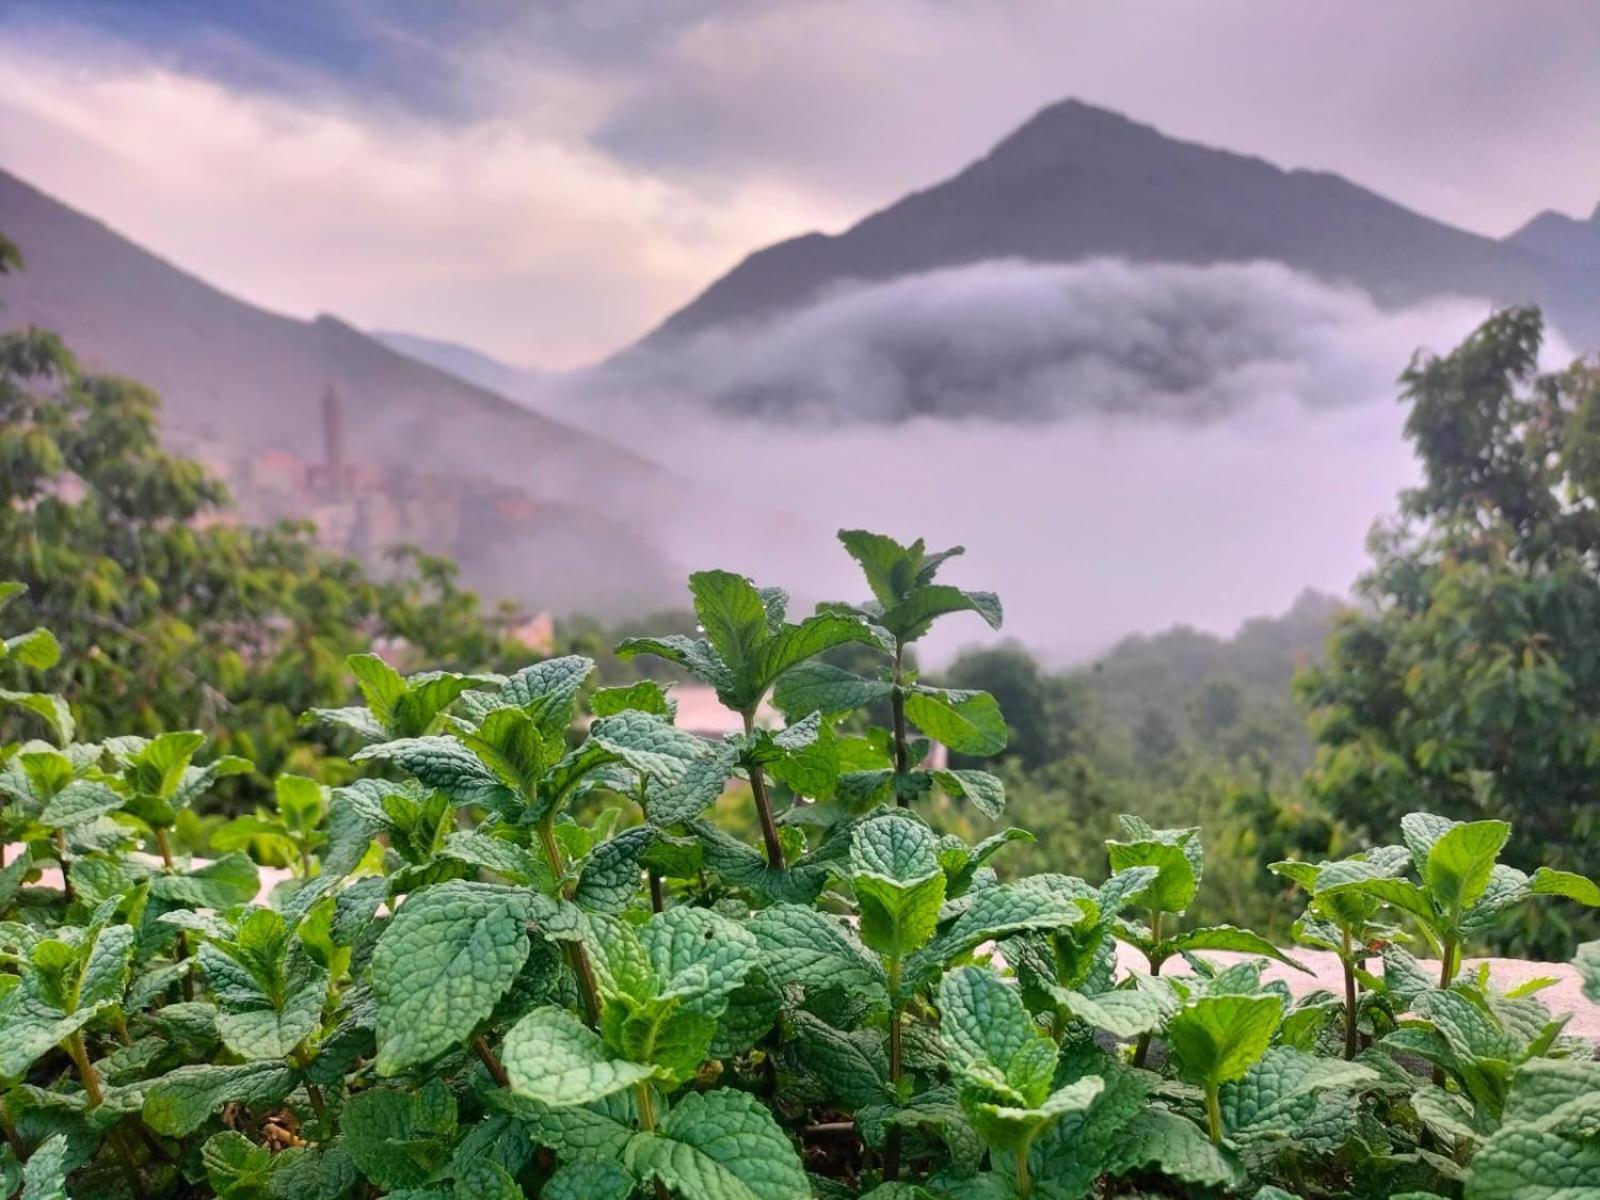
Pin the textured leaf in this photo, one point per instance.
(442, 763)
(821, 687)
(721, 1145)
(37, 649)
(588, 1181)
(609, 880)
(967, 722)
(852, 1068)
(699, 955)
(899, 884)
(1549, 882)
(794, 644)
(553, 1058)
(805, 947)
(1122, 1013)
(1227, 937)
(442, 964)
(1177, 1147)
(1218, 1038)
(79, 802)
(1545, 1149)
(1173, 888)
(985, 792)
(1264, 1102)
(50, 709)
(910, 619)
(229, 880)
(1587, 962)
(181, 1101)
(400, 1140)
(44, 1176)
(1459, 863)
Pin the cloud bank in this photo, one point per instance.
(1024, 341)
(1151, 445)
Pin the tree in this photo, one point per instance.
(170, 615)
(1470, 684)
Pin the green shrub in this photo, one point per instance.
(522, 958)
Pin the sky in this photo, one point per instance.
(547, 179)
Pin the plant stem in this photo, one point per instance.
(165, 847)
(495, 1067)
(897, 705)
(658, 899)
(61, 853)
(647, 1122)
(1214, 1113)
(1447, 963)
(1141, 1049)
(577, 956)
(11, 1132)
(1351, 1037)
(1024, 1180)
(86, 1072)
(891, 1143)
(758, 788)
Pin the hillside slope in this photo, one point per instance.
(249, 384)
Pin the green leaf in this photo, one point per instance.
(644, 695)
(1161, 1140)
(803, 947)
(609, 881)
(911, 618)
(1123, 1013)
(967, 722)
(1173, 888)
(899, 885)
(588, 1181)
(720, 1145)
(553, 1058)
(229, 880)
(44, 1176)
(1267, 1102)
(794, 644)
(1459, 863)
(986, 1029)
(1545, 1148)
(821, 687)
(1218, 1038)
(50, 709)
(37, 649)
(852, 1067)
(548, 693)
(508, 743)
(181, 1101)
(699, 955)
(985, 792)
(442, 763)
(381, 685)
(399, 1140)
(442, 964)
(1549, 882)
(891, 569)
(1228, 937)
(733, 617)
(1587, 963)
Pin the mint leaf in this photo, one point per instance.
(181, 1101)
(440, 967)
(967, 722)
(1459, 863)
(721, 1145)
(553, 1058)
(894, 866)
(1217, 1038)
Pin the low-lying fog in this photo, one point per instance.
(1156, 444)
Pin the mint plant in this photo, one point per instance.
(511, 954)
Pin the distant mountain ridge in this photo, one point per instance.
(1562, 238)
(1077, 182)
(252, 382)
